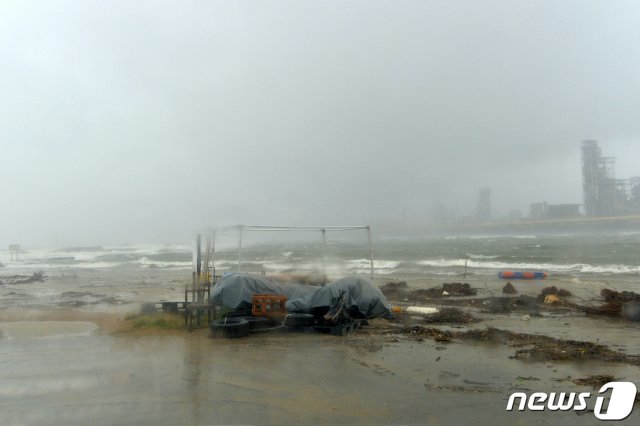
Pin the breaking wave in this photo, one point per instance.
(549, 267)
(480, 256)
(149, 263)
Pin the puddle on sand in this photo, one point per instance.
(272, 379)
(39, 329)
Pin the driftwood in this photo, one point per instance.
(614, 304)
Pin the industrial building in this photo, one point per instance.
(540, 211)
(604, 195)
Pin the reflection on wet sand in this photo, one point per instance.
(56, 367)
(274, 378)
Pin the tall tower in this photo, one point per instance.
(590, 163)
(598, 181)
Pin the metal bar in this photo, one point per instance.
(213, 256)
(370, 248)
(324, 246)
(198, 283)
(241, 229)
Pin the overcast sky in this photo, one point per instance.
(134, 121)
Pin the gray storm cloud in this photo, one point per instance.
(141, 121)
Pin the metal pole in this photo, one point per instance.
(196, 281)
(198, 255)
(370, 249)
(324, 245)
(213, 257)
(240, 248)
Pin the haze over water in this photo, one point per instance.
(142, 122)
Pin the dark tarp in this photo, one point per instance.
(235, 292)
(363, 297)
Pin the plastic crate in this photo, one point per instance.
(268, 305)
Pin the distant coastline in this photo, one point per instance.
(577, 225)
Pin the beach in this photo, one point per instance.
(70, 356)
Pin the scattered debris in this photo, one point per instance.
(450, 316)
(552, 299)
(394, 285)
(399, 290)
(457, 388)
(23, 279)
(618, 296)
(509, 289)
(625, 304)
(396, 290)
(520, 378)
(501, 305)
(617, 304)
(595, 381)
(446, 290)
(553, 290)
(459, 289)
(530, 346)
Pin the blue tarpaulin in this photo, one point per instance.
(235, 291)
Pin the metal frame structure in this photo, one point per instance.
(599, 183)
(242, 229)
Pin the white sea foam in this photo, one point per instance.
(147, 249)
(149, 263)
(23, 266)
(361, 264)
(94, 258)
(480, 256)
(549, 267)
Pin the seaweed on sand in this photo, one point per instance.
(532, 347)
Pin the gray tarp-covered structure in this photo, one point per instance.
(362, 296)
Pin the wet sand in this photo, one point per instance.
(271, 379)
(61, 364)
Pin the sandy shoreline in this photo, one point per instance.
(113, 374)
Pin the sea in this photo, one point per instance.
(61, 367)
(559, 255)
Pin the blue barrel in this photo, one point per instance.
(511, 275)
